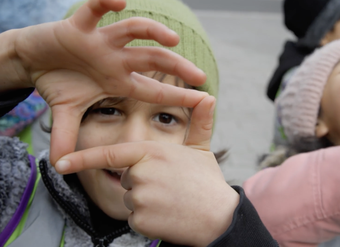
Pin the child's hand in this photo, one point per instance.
(176, 193)
(73, 64)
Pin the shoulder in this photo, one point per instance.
(14, 173)
(14, 160)
(308, 203)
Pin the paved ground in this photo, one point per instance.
(246, 45)
(236, 5)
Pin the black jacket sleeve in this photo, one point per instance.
(246, 229)
(9, 100)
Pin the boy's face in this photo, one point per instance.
(119, 120)
(329, 121)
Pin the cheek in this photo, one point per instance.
(91, 182)
(333, 104)
(332, 96)
(88, 180)
(176, 137)
(93, 135)
(86, 175)
(330, 105)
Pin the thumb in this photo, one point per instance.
(64, 132)
(202, 122)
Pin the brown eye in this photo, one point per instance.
(107, 111)
(165, 118)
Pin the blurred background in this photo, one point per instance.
(237, 5)
(247, 36)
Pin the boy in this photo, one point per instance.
(148, 180)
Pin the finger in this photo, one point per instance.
(123, 32)
(125, 179)
(89, 14)
(64, 132)
(143, 59)
(115, 156)
(150, 90)
(201, 124)
(128, 200)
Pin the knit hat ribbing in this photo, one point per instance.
(299, 104)
(194, 44)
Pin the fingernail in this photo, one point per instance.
(201, 71)
(62, 166)
(203, 74)
(173, 32)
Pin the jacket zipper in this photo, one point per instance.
(96, 240)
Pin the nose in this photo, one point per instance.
(135, 130)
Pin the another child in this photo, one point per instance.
(299, 201)
(158, 176)
(314, 23)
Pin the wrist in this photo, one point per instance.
(221, 217)
(13, 75)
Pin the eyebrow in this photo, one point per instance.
(111, 101)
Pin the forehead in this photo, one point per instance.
(165, 78)
(159, 76)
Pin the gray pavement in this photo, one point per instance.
(246, 45)
(236, 5)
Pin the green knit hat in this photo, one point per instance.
(194, 44)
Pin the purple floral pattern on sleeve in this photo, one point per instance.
(22, 115)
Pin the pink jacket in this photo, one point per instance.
(299, 201)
